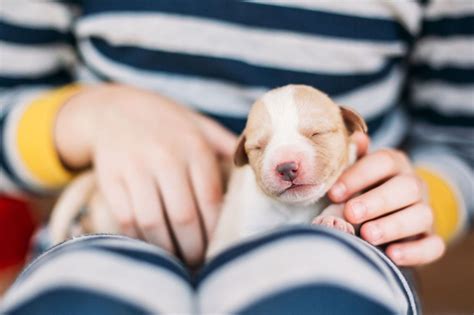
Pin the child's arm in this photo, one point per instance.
(441, 135)
(441, 99)
(36, 61)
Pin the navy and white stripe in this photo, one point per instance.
(441, 95)
(217, 58)
(312, 260)
(36, 55)
(442, 75)
(322, 270)
(231, 49)
(102, 274)
(236, 46)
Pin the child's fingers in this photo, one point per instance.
(418, 252)
(206, 180)
(362, 142)
(368, 171)
(118, 199)
(147, 208)
(181, 209)
(397, 193)
(221, 140)
(411, 221)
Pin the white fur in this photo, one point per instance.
(81, 193)
(69, 205)
(284, 120)
(248, 211)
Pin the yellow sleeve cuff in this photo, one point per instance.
(444, 202)
(35, 138)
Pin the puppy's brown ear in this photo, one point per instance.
(240, 156)
(353, 121)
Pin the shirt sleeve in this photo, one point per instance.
(36, 71)
(440, 95)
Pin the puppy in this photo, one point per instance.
(295, 145)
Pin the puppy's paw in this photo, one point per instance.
(335, 223)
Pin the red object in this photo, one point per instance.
(16, 228)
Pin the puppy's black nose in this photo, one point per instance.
(287, 171)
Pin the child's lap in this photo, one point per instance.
(303, 269)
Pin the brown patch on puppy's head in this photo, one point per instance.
(240, 156)
(255, 136)
(353, 121)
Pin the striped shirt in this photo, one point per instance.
(406, 66)
(320, 271)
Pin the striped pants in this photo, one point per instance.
(289, 271)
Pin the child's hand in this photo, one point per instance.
(393, 207)
(155, 160)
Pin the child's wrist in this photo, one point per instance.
(74, 129)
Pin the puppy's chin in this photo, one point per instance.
(298, 195)
(303, 195)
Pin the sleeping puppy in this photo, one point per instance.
(295, 145)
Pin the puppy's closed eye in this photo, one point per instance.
(254, 147)
(321, 132)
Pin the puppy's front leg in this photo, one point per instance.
(333, 217)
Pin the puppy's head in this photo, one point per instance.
(297, 142)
